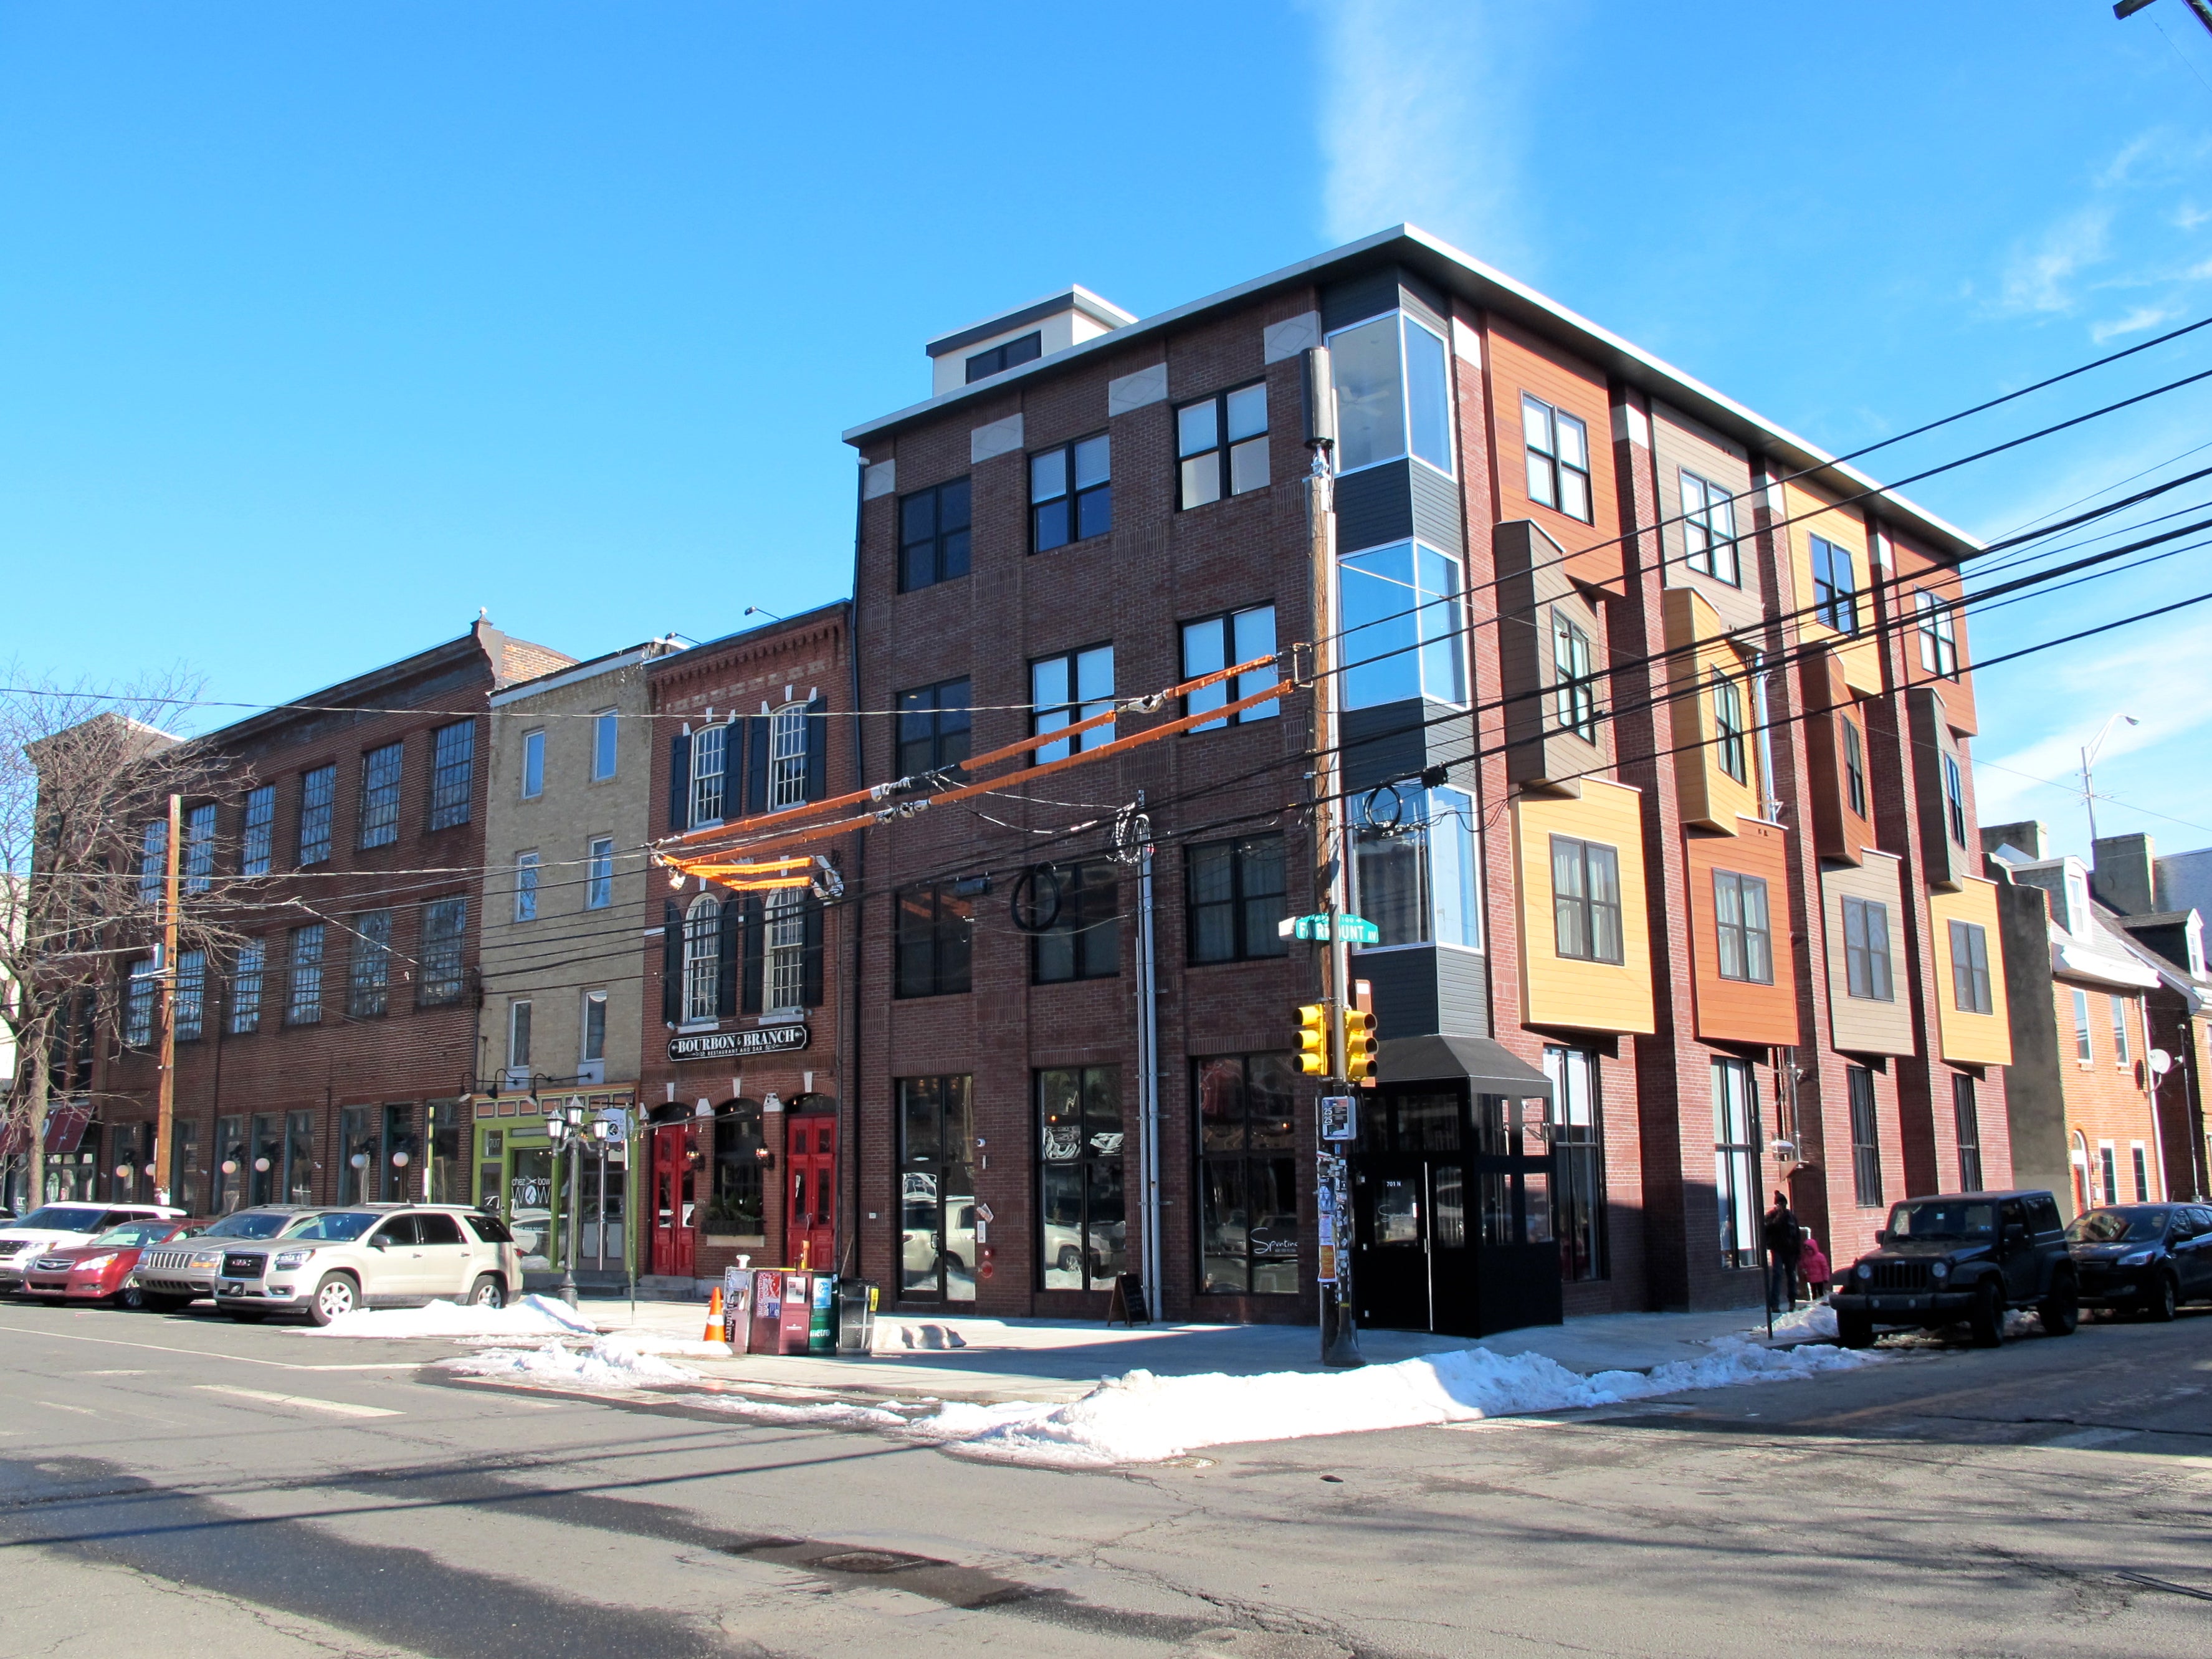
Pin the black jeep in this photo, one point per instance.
(1962, 1256)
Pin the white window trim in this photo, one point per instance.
(526, 866)
(592, 846)
(515, 1021)
(1405, 405)
(614, 715)
(783, 964)
(584, 1026)
(721, 772)
(529, 738)
(786, 764)
(701, 967)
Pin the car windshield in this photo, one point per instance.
(63, 1218)
(1943, 1217)
(252, 1223)
(340, 1226)
(2118, 1227)
(132, 1235)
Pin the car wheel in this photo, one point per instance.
(2061, 1311)
(132, 1297)
(1071, 1258)
(335, 1297)
(1987, 1322)
(953, 1263)
(489, 1292)
(1854, 1330)
(2163, 1302)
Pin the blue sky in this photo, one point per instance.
(323, 326)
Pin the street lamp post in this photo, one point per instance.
(566, 1130)
(2088, 755)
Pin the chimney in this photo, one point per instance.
(2121, 870)
(1020, 336)
(2026, 836)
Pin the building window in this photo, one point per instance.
(599, 873)
(703, 960)
(153, 862)
(1834, 591)
(357, 1172)
(138, 1003)
(1075, 911)
(1081, 1208)
(225, 1187)
(1586, 900)
(1866, 1144)
(2082, 1052)
(379, 795)
(933, 728)
(453, 775)
(934, 535)
(1736, 1161)
(1970, 968)
(1234, 897)
(1009, 354)
(1709, 529)
(1248, 1218)
(1954, 799)
(786, 757)
(1574, 677)
(368, 980)
(1221, 439)
(740, 1165)
(199, 848)
(1866, 951)
(304, 1006)
(445, 926)
(1393, 394)
(517, 1036)
(1855, 784)
(1071, 494)
(1220, 642)
(786, 950)
(935, 941)
(1557, 447)
(1402, 635)
(1413, 869)
(2119, 1030)
(526, 887)
(594, 1027)
(534, 765)
(1069, 688)
(1967, 1123)
(1939, 642)
(1578, 1136)
(937, 1188)
(192, 994)
(317, 789)
(2142, 1173)
(1727, 727)
(710, 753)
(184, 1166)
(255, 845)
(1746, 941)
(246, 987)
(606, 745)
(2108, 1166)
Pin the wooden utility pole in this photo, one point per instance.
(165, 1110)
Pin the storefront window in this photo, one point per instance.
(228, 1180)
(267, 1150)
(1248, 1220)
(401, 1154)
(184, 1172)
(937, 1190)
(356, 1153)
(1577, 1163)
(735, 1205)
(1083, 1213)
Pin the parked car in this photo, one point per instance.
(397, 1256)
(175, 1276)
(1962, 1256)
(101, 1271)
(60, 1226)
(2147, 1257)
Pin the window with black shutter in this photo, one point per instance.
(756, 758)
(679, 782)
(732, 944)
(811, 971)
(818, 750)
(750, 998)
(671, 964)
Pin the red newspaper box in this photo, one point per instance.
(797, 1312)
(767, 1326)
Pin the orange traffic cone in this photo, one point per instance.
(714, 1331)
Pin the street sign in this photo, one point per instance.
(1339, 1117)
(1352, 930)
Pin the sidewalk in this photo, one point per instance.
(993, 1360)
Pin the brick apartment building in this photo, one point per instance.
(324, 1059)
(1657, 732)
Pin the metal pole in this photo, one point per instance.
(164, 1108)
(568, 1256)
(2089, 801)
(1148, 1080)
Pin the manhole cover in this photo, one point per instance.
(870, 1561)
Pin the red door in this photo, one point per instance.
(810, 1224)
(675, 1199)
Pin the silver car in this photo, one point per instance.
(171, 1276)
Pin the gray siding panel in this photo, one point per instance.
(1436, 510)
(1385, 742)
(1374, 507)
(1405, 983)
(1358, 298)
(1462, 994)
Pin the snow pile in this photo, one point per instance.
(534, 1315)
(608, 1363)
(1809, 1324)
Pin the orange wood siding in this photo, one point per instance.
(1735, 1010)
(1519, 363)
(1711, 797)
(1970, 1039)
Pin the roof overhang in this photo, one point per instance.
(1487, 1066)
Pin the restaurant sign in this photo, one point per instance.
(726, 1045)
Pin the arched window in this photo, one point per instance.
(786, 763)
(702, 958)
(786, 949)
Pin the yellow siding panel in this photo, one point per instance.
(1811, 515)
(1710, 797)
(1559, 991)
(1970, 1039)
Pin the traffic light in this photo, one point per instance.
(1358, 1046)
(1313, 1039)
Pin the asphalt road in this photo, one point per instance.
(182, 1486)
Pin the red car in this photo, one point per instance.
(101, 1271)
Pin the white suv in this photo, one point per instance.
(386, 1256)
(64, 1226)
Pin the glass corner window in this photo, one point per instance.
(1413, 867)
(1393, 394)
(1402, 636)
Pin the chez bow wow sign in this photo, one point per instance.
(725, 1045)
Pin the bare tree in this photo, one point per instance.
(84, 771)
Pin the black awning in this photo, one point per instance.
(1484, 1064)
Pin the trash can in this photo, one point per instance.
(822, 1326)
(856, 1316)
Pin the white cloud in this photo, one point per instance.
(2042, 277)
(2135, 322)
